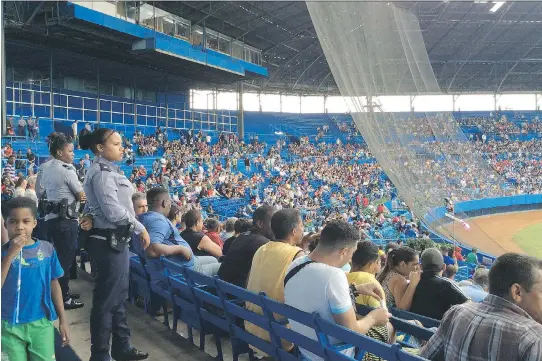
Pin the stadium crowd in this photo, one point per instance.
(305, 229)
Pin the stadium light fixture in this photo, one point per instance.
(497, 6)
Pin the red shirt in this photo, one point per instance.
(215, 237)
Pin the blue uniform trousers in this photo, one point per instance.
(62, 233)
(108, 313)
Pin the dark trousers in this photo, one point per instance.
(62, 233)
(108, 313)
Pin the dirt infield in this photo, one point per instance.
(494, 234)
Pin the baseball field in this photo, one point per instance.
(501, 233)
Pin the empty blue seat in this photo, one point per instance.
(186, 306)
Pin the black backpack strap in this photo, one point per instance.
(295, 270)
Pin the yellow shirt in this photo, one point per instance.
(267, 274)
(361, 278)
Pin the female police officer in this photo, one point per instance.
(58, 183)
(109, 201)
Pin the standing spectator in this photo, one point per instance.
(458, 255)
(156, 165)
(506, 326)
(271, 261)
(472, 257)
(28, 332)
(316, 284)
(435, 295)
(86, 161)
(31, 126)
(21, 127)
(477, 289)
(400, 277)
(236, 264)
(447, 255)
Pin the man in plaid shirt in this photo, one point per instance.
(506, 326)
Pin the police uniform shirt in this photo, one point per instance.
(109, 196)
(59, 180)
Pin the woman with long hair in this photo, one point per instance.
(109, 201)
(400, 277)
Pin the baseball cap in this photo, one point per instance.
(432, 260)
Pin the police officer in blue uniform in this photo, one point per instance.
(109, 200)
(60, 192)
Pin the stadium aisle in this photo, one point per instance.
(148, 334)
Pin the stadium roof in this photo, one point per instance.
(471, 49)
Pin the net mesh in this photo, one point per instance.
(375, 50)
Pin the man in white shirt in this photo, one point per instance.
(316, 283)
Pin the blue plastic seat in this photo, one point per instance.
(186, 306)
(281, 329)
(159, 285)
(139, 283)
(236, 312)
(211, 309)
(362, 343)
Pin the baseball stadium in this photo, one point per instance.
(172, 171)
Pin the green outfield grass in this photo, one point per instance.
(529, 239)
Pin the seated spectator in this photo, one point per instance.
(365, 266)
(472, 257)
(434, 294)
(237, 262)
(271, 261)
(229, 228)
(316, 283)
(165, 238)
(450, 272)
(139, 200)
(201, 244)
(213, 227)
(400, 277)
(507, 325)
(477, 289)
(20, 187)
(31, 189)
(174, 215)
(242, 225)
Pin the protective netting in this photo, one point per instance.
(375, 49)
